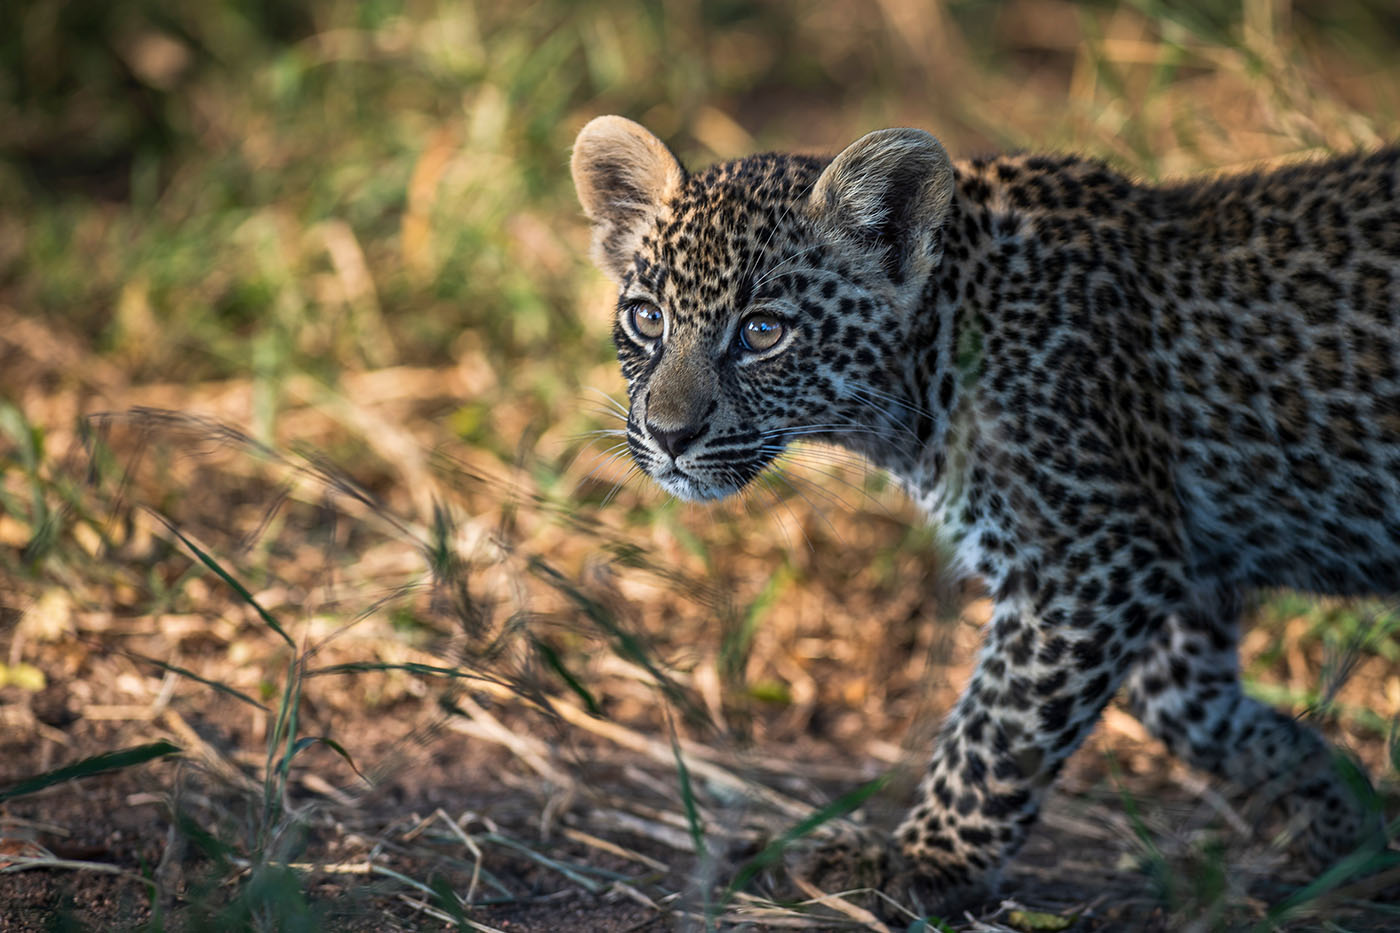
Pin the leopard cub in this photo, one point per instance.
(1126, 405)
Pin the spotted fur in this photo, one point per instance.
(1125, 404)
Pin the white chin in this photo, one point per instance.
(683, 487)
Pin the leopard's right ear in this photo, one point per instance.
(623, 174)
(888, 193)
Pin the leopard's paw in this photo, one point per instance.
(866, 868)
(851, 858)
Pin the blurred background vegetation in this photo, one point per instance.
(350, 225)
(207, 189)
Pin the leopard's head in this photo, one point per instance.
(762, 300)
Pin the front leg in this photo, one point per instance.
(1053, 655)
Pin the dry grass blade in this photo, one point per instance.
(528, 749)
(660, 752)
(838, 903)
(11, 863)
(613, 848)
(208, 755)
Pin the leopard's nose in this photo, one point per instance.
(676, 441)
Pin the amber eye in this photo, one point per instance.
(647, 319)
(759, 332)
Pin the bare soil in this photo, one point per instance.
(1086, 860)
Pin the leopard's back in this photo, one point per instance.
(1278, 348)
(1238, 338)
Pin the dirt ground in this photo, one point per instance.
(515, 679)
(1087, 862)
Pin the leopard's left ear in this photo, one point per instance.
(889, 191)
(623, 175)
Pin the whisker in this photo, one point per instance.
(884, 413)
(768, 481)
(606, 459)
(617, 486)
(779, 270)
(613, 404)
(826, 457)
(605, 414)
(807, 430)
(798, 457)
(779, 477)
(762, 250)
(598, 433)
(793, 479)
(876, 394)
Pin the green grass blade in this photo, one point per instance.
(214, 848)
(185, 672)
(446, 900)
(555, 663)
(734, 650)
(307, 741)
(28, 440)
(283, 733)
(407, 667)
(97, 764)
(692, 812)
(1357, 865)
(627, 645)
(773, 852)
(572, 872)
(227, 577)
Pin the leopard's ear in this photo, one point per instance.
(623, 174)
(889, 192)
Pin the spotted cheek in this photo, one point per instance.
(777, 406)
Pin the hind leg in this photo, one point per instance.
(1186, 690)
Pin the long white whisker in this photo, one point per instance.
(768, 480)
(598, 434)
(778, 270)
(606, 414)
(762, 250)
(613, 403)
(590, 448)
(850, 427)
(617, 486)
(788, 210)
(833, 469)
(605, 460)
(832, 456)
(793, 479)
(885, 414)
(812, 506)
(911, 407)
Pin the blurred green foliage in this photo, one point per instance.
(210, 188)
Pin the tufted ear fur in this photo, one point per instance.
(889, 191)
(623, 174)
